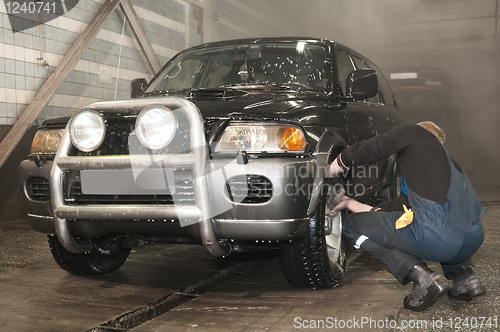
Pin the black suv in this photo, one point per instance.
(226, 146)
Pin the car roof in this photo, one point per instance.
(262, 40)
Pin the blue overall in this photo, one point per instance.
(449, 232)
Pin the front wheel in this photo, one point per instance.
(317, 260)
(104, 257)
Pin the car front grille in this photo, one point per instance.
(184, 195)
(38, 189)
(249, 188)
(116, 140)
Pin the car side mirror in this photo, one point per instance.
(137, 87)
(362, 84)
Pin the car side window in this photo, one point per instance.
(345, 66)
(383, 85)
(359, 63)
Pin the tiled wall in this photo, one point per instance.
(170, 26)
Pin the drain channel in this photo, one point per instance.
(158, 307)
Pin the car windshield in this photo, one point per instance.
(293, 65)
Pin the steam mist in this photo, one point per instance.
(458, 36)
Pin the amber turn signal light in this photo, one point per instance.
(291, 138)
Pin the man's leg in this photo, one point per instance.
(375, 234)
(365, 230)
(393, 260)
(472, 242)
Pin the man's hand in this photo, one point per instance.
(352, 205)
(343, 204)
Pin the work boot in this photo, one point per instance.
(466, 284)
(427, 288)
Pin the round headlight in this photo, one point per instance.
(155, 127)
(87, 130)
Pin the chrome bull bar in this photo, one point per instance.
(197, 162)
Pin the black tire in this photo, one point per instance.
(316, 260)
(104, 257)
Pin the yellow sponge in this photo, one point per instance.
(405, 219)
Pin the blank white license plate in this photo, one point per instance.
(128, 182)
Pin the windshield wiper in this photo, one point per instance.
(250, 85)
(294, 86)
(156, 92)
(163, 92)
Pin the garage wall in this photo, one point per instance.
(170, 25)
(257, 18)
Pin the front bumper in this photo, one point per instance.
(281, 217)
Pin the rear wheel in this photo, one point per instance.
(318, 259)
(104, 257)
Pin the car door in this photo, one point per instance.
(365, 119)
(386, 118)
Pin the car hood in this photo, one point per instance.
(262, 106)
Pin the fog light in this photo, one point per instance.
(155, 127)
(87, 130)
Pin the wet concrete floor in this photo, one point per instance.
(36, 295)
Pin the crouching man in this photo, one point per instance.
(438, 218)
